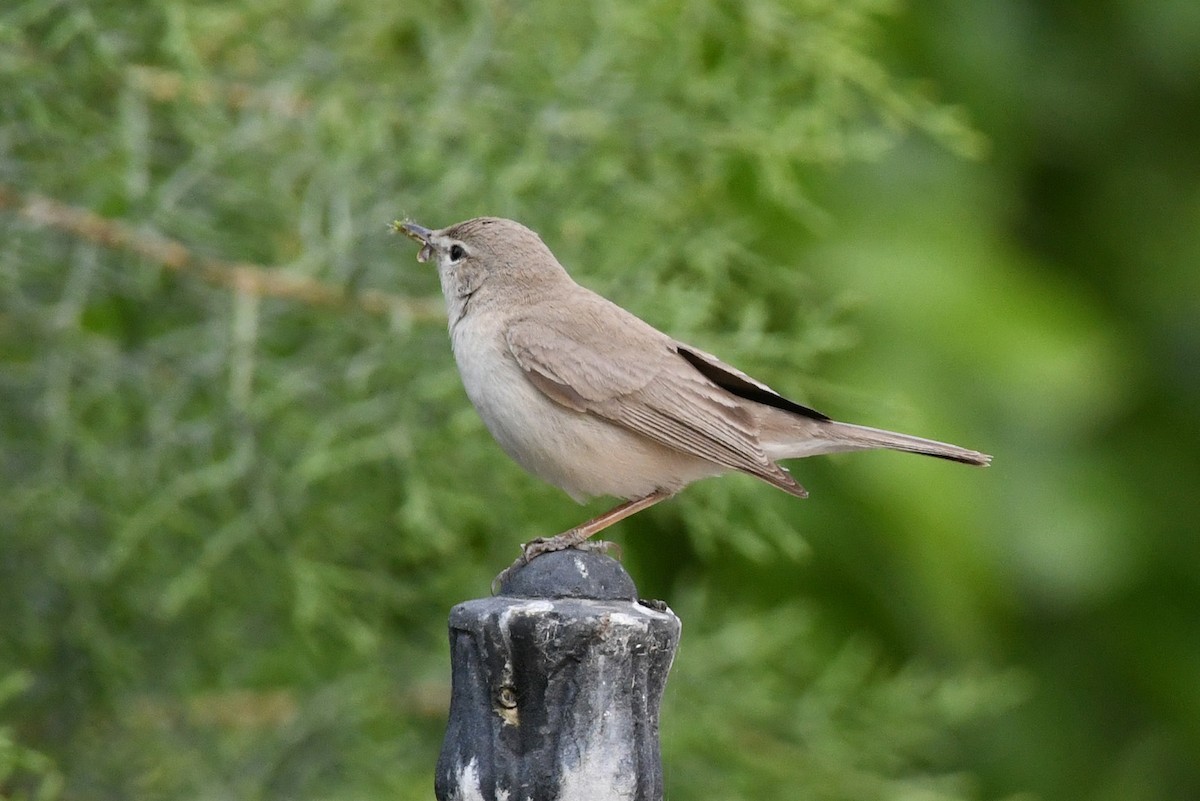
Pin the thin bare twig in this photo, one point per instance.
(168, 85)
(173, 255)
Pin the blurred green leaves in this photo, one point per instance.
(240, 485)
(231, 513)
(830, 720)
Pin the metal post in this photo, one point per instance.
(556, 687)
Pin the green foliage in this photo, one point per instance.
(24, 772)
(829, 720)
(240, 488)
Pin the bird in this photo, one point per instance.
(592, 399)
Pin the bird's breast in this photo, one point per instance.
(582, 454)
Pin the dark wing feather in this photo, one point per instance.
(735, 381)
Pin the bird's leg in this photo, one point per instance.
(575, 537)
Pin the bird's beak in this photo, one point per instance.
(417, 233)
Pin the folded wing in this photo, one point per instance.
(642, 388)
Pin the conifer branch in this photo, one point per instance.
(173, 255)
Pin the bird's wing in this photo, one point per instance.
(638, 378)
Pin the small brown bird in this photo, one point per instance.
(592, 399)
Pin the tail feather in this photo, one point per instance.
(863, 436)
(834, 437)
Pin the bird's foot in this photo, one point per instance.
(569, 539)
(544, 545)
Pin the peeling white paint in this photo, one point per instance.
(600, 770)
(625, 619)
(646, 611)
(468, 783)
(530, 607)
(469, 788)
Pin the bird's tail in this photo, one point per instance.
(833, 437)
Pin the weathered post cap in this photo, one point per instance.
(571, 573)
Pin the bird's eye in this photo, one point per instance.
(457, 252)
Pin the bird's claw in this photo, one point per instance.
(543, 545)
